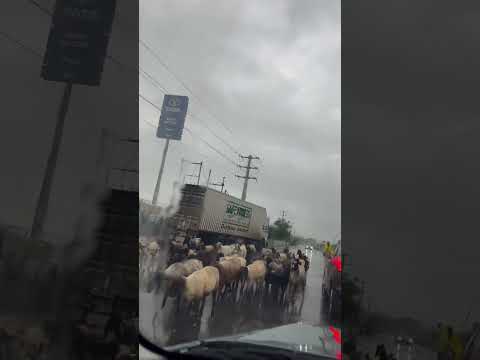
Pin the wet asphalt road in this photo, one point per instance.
(169, 328)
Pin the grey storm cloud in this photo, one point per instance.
(410, 133)
(271, 74)
(32, 105)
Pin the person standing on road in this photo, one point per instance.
(381, 352)
(442, 342)
(328, 251)
(307, 263)
(455, 345)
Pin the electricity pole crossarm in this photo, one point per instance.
(247, 175)
(222, 184)
(249, 178)
(199, 171)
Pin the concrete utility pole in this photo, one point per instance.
(247, 175)
(160, 173)
(44, 197)
(199, 171)
(291, 235)
(208, 179)
(222, 184)
(182, 162)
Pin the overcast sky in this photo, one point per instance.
(410, 172)
(30, 109)
(271, 74)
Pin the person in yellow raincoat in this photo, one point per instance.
(442, 342)
(455, 345)
(328, 249)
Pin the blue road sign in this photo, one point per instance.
(172, 118)
(78, 40)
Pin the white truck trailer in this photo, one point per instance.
(216, 216)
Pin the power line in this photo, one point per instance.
(191, 133)
(144, 73)
(211, 147)
(196, 152)
(50, 13)
(156, 83)
(181, 82)
(36, 53)
(149, 77)
(218, 137)
(152, 80)
(150, 102)
(192, 115)
(43, 9)
(20, 44)
(25, 47)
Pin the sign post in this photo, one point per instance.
(160, 173)
(170, 127)
(75, 54)
(42, 205)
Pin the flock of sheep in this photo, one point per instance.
(236, 273)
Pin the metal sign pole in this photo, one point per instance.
(157, 186)
(199, 173)
(181, 170)
(208, 179)
(42, 205)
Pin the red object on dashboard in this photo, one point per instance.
(337, 335)
(337, 262)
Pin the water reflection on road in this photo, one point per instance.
(169, 328)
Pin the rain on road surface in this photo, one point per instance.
(169, 328)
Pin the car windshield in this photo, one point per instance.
(239, 127)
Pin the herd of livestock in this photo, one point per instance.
(238, 272)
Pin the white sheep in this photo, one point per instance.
(266, 252)
(206, 254)
(153, 248)
(226, 250)
(230, 268)
(240, 250)
(297, 280)
(171, 277)
(240, 260)
(197, 286)
(254, 277)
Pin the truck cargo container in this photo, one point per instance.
(216, 216)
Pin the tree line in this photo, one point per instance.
(281, 230)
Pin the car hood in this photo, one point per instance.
(298, 337)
